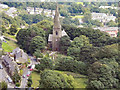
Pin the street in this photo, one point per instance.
(25, 71)
(24, 80)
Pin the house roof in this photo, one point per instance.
(64, 33)
(10, 63)
(50, 37)
(107, 28)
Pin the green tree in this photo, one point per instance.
(112, 24)
(4, 29)
(37, 43)
(76, 45)
(13, 29)
(67, 63)
(29, 83)
(38, 54)
(103, 74)
(3, 85)
(45, 63)
(52, 79)
(64, 43)
(25, 36)
(16, 77)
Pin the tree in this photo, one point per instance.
(38, 54)
(45, 63)
(64, 43)
(76, 45)
(29, 83)
(25, 36)
(37, 43)
(52, 79)
(67, 63)
(4, 29)
(112, 24)
(87, 17)
(103, 74)
(3, 85)
(96, 37)
(16, 77)
(13, 29)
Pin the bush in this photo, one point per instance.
(17, 84)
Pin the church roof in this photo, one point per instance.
(63, 34)
(50, 37)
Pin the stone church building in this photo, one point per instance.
(54, 39)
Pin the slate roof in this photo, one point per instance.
(9, 63)
(21, 56)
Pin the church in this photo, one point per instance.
(54, 39)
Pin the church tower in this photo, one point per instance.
(57, 32)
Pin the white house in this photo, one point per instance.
(3, 6)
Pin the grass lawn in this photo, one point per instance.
(79, 79)
(77, 16)
(80, 3)
(11, 36)
(35, 79)
(81, 82)
(9, 46)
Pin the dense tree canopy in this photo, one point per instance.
(103, 74)
(45, 63)
(25, 36)
(13, 29)
(37, 43)
(67, 63)
(76, 45)
(64, 43)
(97, 38)
(53, 79)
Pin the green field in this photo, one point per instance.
(79, 79)
(77, 16)
(80, 3)
(11, 36)
(35, 79)
(9, 46)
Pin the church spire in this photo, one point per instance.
(56, 18)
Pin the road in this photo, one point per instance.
(25, 71)
(24, 80)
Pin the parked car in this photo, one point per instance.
(9, 79)
(28, 74)
(29, 66)
(31, 69)
(1, 67)
(23, 76)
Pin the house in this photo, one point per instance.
(102, 17)
(19, 55)
(10, 64)
(105, 7)
(112, 31)
(3, 6)
(11, 12)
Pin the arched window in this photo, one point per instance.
(56, 33)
